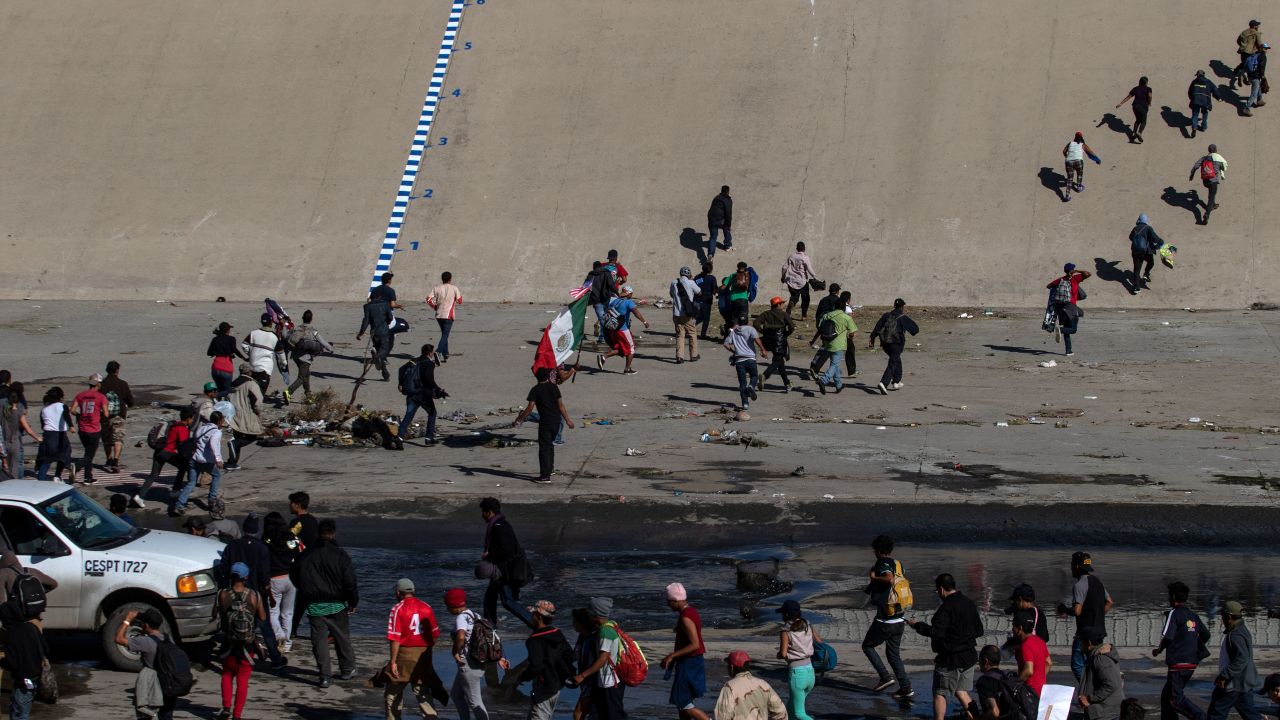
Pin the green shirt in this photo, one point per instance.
(735, 294)
(844, 326)
(609, 642)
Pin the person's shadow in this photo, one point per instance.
(1189, 201)
(1053, 180)
(1227, 94)
(1115, 124)
(1221, 69)
(1176, 120)
(1017, 349)
(1107, 271)
(691, 239)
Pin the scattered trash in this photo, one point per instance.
(1062, 424)
(602, 422)
(779, 495)
(1049, 364)
(964, 315)
(1002, 424)
(828, 496)
(1193, 419)
(1166, 322)
(988, 312)
(798, 472)
(306, 441)
(1090, 397)
(1035, 421)
(706, 437)
(632, 452)
(881, 427)
(742, 416)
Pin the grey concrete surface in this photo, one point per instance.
(241, 150)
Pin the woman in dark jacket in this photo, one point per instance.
(224, 349)
(283, 548)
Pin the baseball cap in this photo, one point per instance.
(545, 608)
(1233, 608)
(626, 290)
(266, 318)
(790, 607)
(240, 570)
(455, 597)
(739, 659)
(224, 326)
(1271, 683)
(94, 379)
(194, 522)
(1082, 560)
(1024, 592)
(404, 585)
(211, 387)
(775, 300)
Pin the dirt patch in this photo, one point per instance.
(1058, 413)
(981, 476)
(1257, 481)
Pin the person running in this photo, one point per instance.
(206, 459)
(149, 700)
(708, 286)
(1075, 152)
(684, 294)
(795, 645)
(953, 635)
(502, 550)
(377, 320)
(1183, 641)
(1237, 679)
(836, 329)
(223, 348)
(417, 382)
(546, 399)
(1101, 688)
(1031, 652)
(326, 578)
(621, 340)
(55, 447)
(1247, 44)
(246, 424)
(889, 622)
(445, 299)
(829, 302)
(742, 341)
(306, 342)
(551, 662)
(604, 287)
(685, 663)
(738, 290)
(119, 400)
(1066, 293)
(1090, 602)
(797, 271)
(1140, 94)
(1213, 170)
(745, 696)
(607, 692)
(241, 610)
(90, 410)
(891, 330)
(611, 263)
(1257, 65)
(1200, 96)
(263, 346)
(385, 293)
(411, 634)
(775, 327)
(167, 454)
(720, 219)
(1144, 243)
(466, 691)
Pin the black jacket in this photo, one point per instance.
(603, 285)
(905, 323)
(828, 303)
(325, 574)
(252, 552)
(25, 648)
(1184, 638)
(550, 663)
(427, 376)
(720, 214)
(954, 632)
(500, 543)
(1201, 93)
(377, 318)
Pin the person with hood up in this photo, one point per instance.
(1144, 243)
(1101, 688)
(1075, 152)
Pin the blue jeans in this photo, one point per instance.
(193, 476)
(510, 598)
(746, 379)
(601, 308)
(711, 240)
(411, 406)
(1077, 659)
(1203, 114)
(832, 375)
(20, 702)
(443, 346)
(1256, 92)
(223, 381)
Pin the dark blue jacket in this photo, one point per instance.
(1184, 638)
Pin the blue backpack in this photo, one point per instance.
(824, 657)
(1251, 62)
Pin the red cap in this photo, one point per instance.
(775, 300)
(738, 659)
(455, 597)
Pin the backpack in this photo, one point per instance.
(1062, 292)
(824, 657)
(27, 598)
(239, 621)
(484, 646)
(612, 318)
(1251, 62)
(827, 329)
(173, 669)
(1018, 696)
(1208, 171)
(631, 667)
(900, 593)
(187, 448)
(410, 379)
(158, 433)
(891, 332)
(113, 404)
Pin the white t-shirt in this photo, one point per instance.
(262, 348)
(1075, 151)
(466, 622)
(53, 418)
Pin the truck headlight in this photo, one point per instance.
(193, 583)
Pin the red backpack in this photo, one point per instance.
(1208, 171)
(631, 667)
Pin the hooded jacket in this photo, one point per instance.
(603, 285)
(1102, 683)
(720, 214)
(550, 663)
(1201, 93)
(1237, 665)
(1143, 238)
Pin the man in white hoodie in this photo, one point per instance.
(262, 345)
(206, 459)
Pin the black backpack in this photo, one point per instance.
(27, 598)
(891, 331)
(410, 379)
(827, 328)
(1018, 701)
(173, 669)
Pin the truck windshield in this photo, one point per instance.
(85, 522)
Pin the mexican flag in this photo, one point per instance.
(563, 336)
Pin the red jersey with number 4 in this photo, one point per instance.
(412, 624)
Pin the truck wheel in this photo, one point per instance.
(119, 656)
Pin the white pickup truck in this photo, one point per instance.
(106, 567)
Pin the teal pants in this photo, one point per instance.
(800, 679)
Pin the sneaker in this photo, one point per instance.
(897, 386)
(904, 694)
(822, 387)
(324, 683)
(348, 674)
(629, 371)
(1070, 354)
(786, 388)
(839, 388)
(751, 393)
(557, 442)
(543, 481)
(179, 512)
(679, 361)
(138, 502)
(230, 468)
(746, 407)
(884, 685)
(223, 714)
(883, 390)
(600, 361)
(1260, 103)
(695, 358)
(288, 396)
